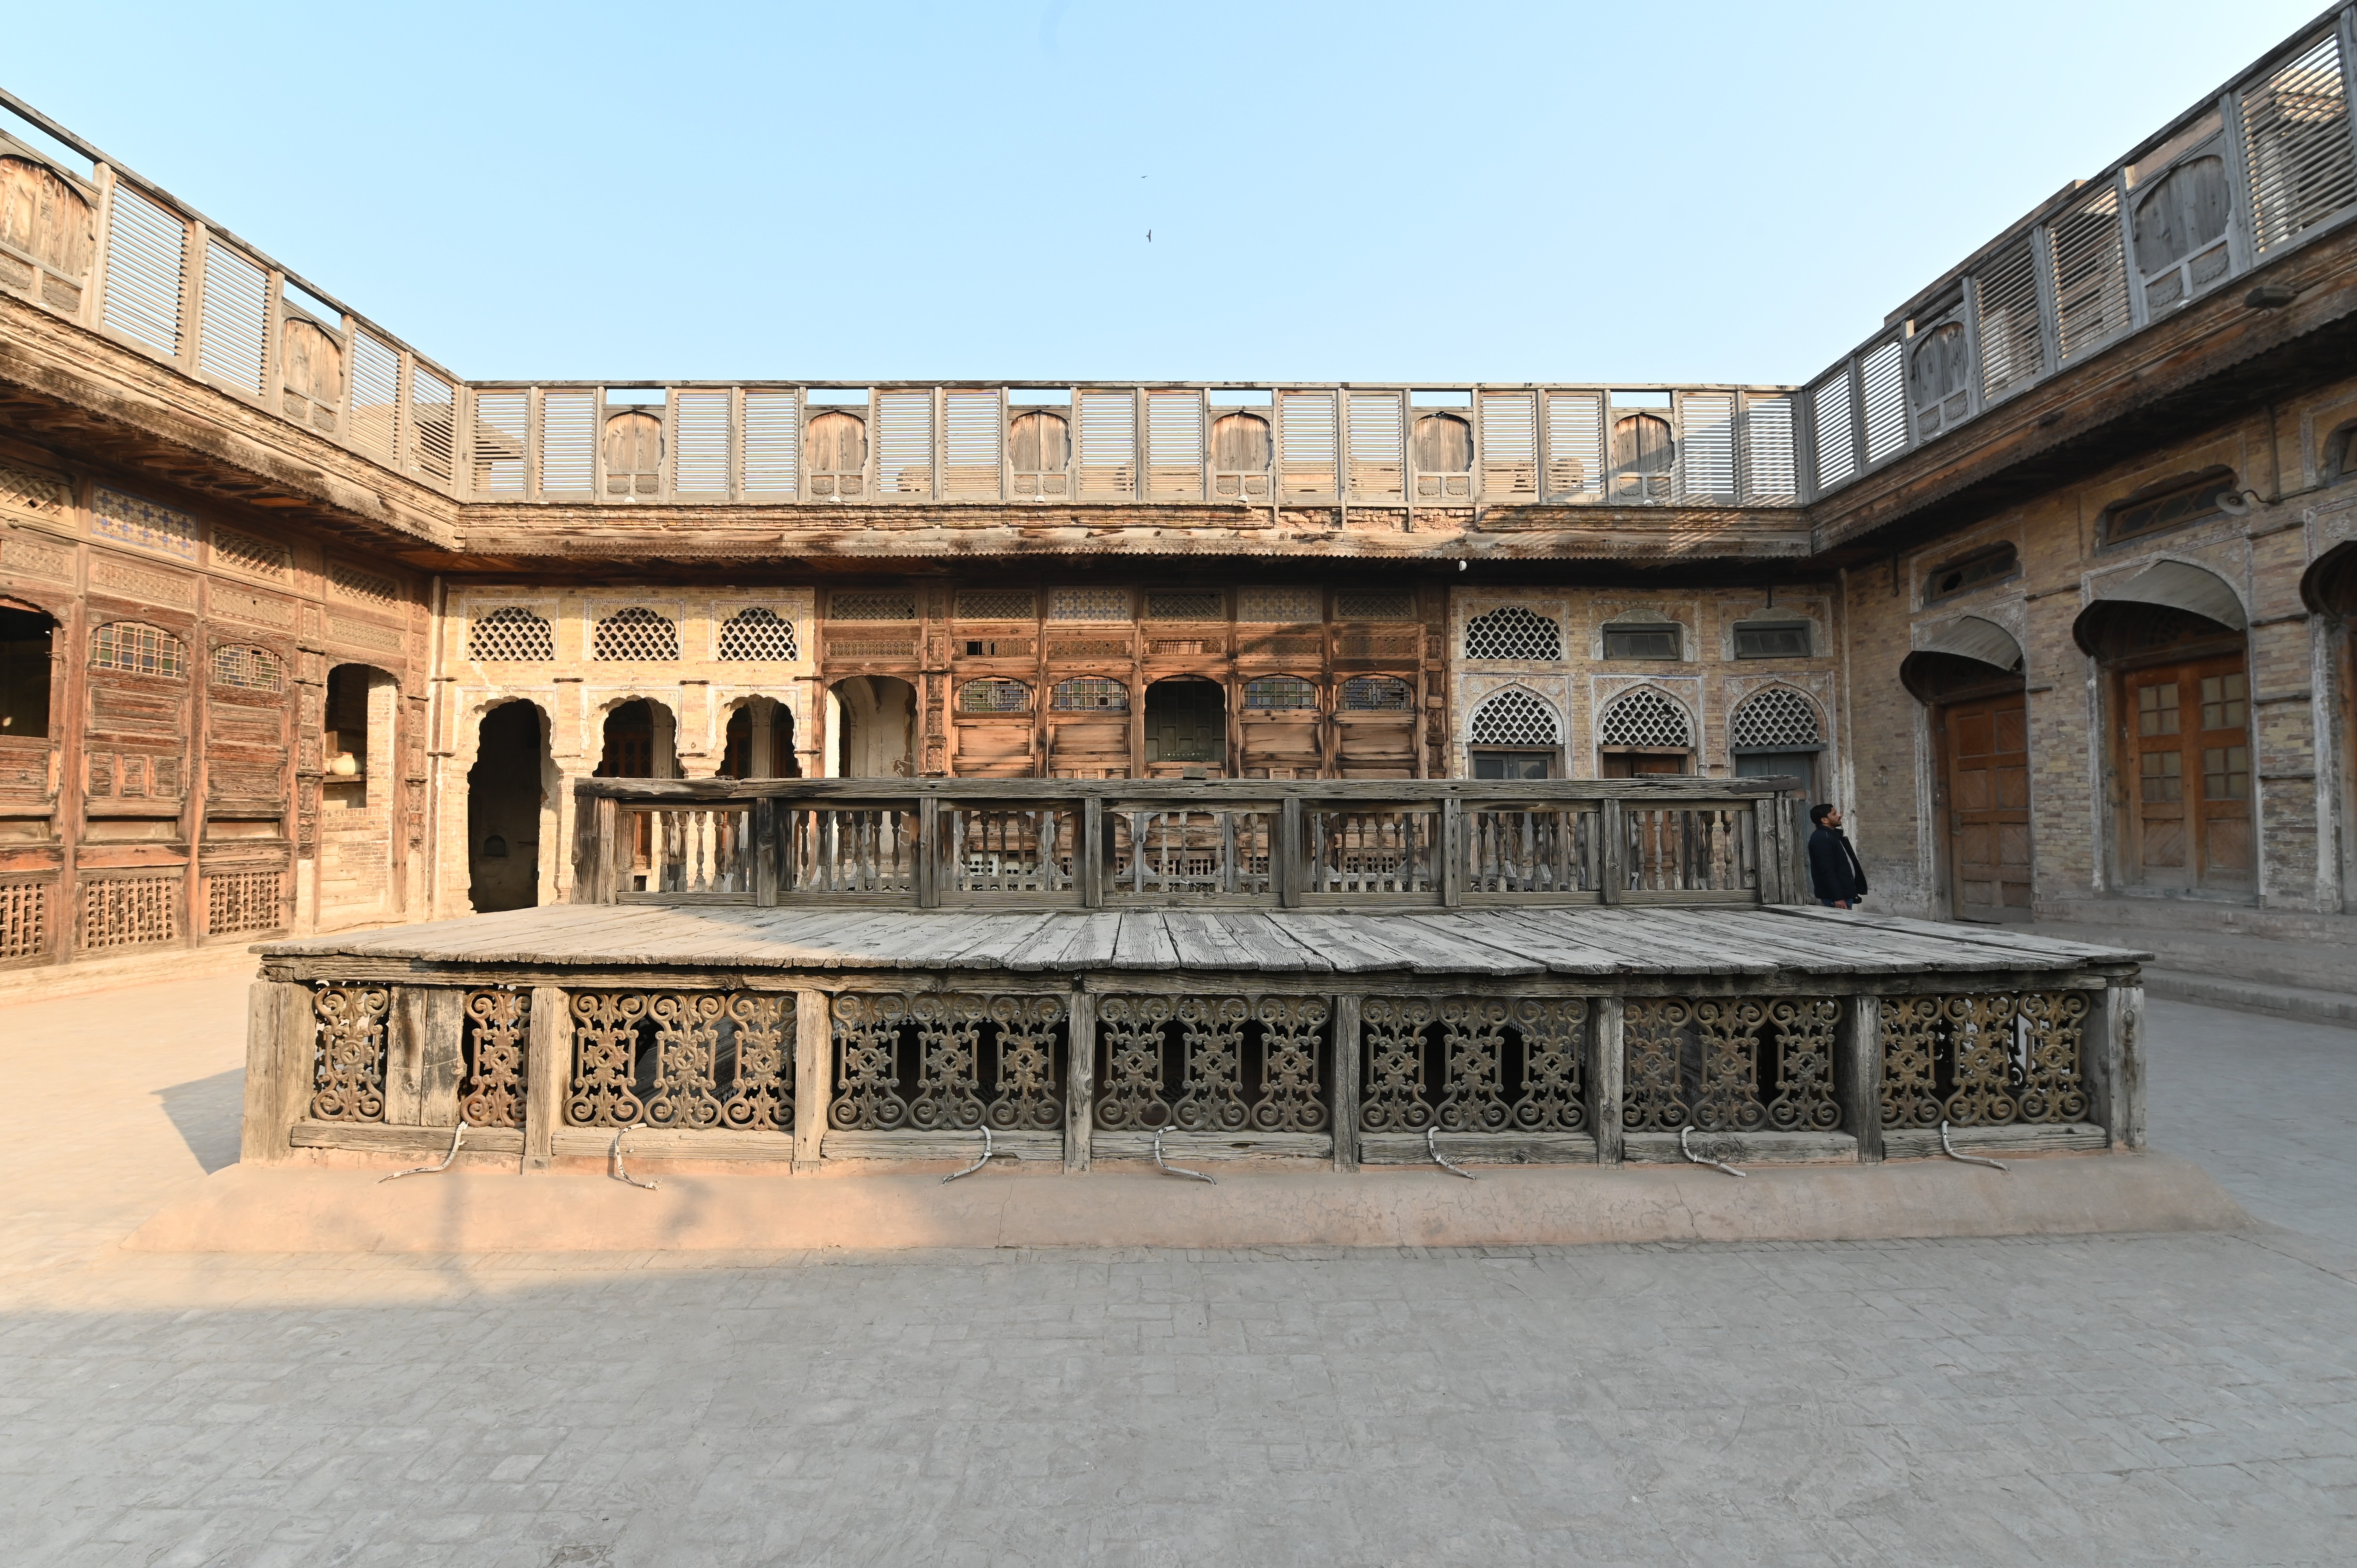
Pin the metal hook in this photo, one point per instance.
(1174, 1170)
(457, 1133)
(977, 1165)
(1949, 1149)
(1697, 1159)
(615, 1155)
(1432, 1142)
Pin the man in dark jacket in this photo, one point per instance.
(1835, 873)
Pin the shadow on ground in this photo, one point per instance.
(206, 1112)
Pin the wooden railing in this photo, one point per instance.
(1128, 842)
(2066, 281)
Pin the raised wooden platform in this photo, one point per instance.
(1625, 948)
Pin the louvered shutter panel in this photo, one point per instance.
(1574, 445)
(1108, 443)
(1377, 452)
(970, 445)
(904, 444)
(700, 443)
(1707, 445)
(146, 261)
(1510, 445)
(568, 442)
(1305, 445)
(231, 318)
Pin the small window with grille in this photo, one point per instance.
(1514, 736)
(637, 633)
(1510, 631)
(761, 635)
(1091, 694)
(1088, 603)
(993, 604)
(1280, 692)
(1647, 719)
(888, 605)
(2194, 501)
(1377, 694)
(1189, 605)
(1281, 607)
(1771, 640)
(248, 669)
(1660, 641)
(138, 648)
(1776, 719)
(511, 634)
(1959, 576)
(994, 696)
(1349, 606)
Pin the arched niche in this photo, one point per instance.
(1969, 656)
(2328, 586)
(311, 373)
(834, 452)
(876, 727)
(1967, 672)
(634, 452)
(2123, 607)
(1186, 726)
(640, 740)
(508, 799)
(758, 740)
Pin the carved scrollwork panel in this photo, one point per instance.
(1393, 1027)
(1293, 1033)
(1135, 1029)
(949, 1063)
(763, 1100)
(1554, 1039)
(2054, 1087)
(1804, 1100)
(1212, 1098)
(490, 1094)
(1980, 1041)
(687, 1060)
(1911, 1040)
(604, 1091)
(1729, 1032)
(866, 1066)
(1028, 1099)
(348, 1075)
(1652, 1091)
(1473, 1049)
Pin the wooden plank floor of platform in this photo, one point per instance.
(1537, 943)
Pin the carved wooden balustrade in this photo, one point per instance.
(1526, 1074)
(1091, 845)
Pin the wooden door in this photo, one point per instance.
(2188, 775)
(1988, 745)
(1641, 764)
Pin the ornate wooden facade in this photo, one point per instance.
(2046, 581)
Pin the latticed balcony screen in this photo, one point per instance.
(758, 634)
(1511, 631)
(1777, 717)
(1515, 718)
(1646, 718)
(511, 634)
(637, 633)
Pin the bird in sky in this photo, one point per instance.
(1149, 236)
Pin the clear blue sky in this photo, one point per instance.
(1369, 191)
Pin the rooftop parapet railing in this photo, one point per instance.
(2264, 165)
(2260, 168)
(1118, 843)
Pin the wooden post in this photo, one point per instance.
(1604, 1070)
(404, 1049)
(1451, 850)
(1766, 819)
(1857, 1073)
(1080, 1078)
(1092, 867)
(764, 850)
(441, 1056)
(1616, 851)
(929, 850)
(1796, 855)
(548, 1074)
(813, 1071)
(1292, 870)
(1345, 1080)
(279, 1044)
(2111, 1054)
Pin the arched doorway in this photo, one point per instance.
(639, 742)
(358, 845)
(1186, 726)
(876, 727)
(507, 795)
(2172, 646)
(759, 741)
(1967, 673)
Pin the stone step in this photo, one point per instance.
(2307, 1004)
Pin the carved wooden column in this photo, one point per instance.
(814, 1073)
(1347, 1053)
(548, 1074)
(278, 1048)
(1857, 1073)
(1605, 1077)
(1080, 1078)
(2112, 1058)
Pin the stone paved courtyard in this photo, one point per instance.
(2128, 1399)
